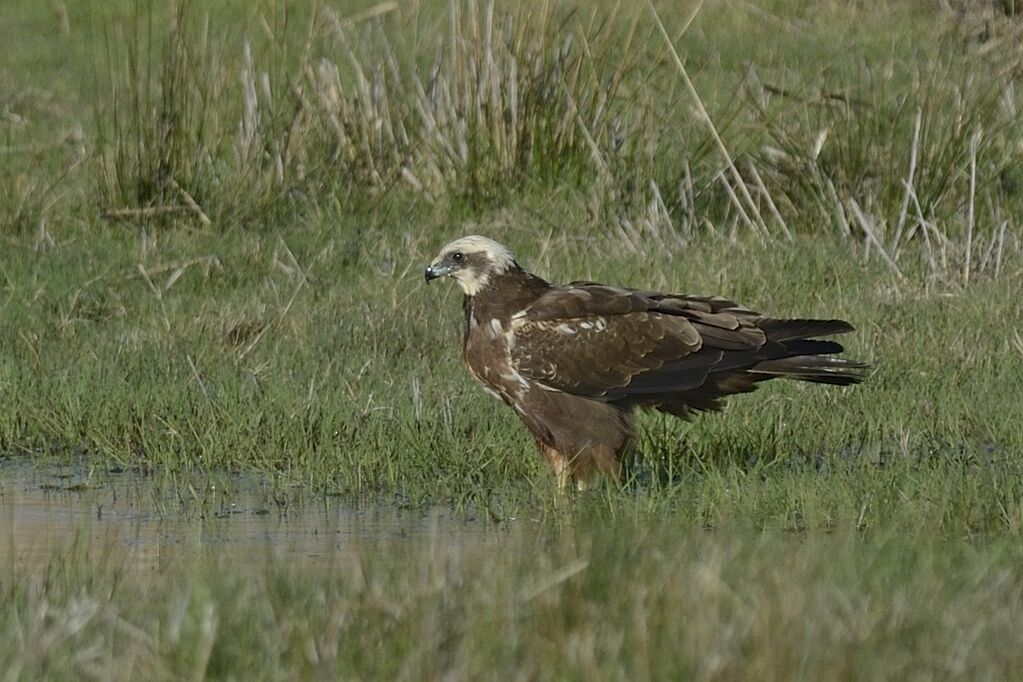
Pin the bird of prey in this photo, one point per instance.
(575, 361)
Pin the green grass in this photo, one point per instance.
(287, 354)
(211, 262)
(627, 601)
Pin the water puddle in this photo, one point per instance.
(148, 522)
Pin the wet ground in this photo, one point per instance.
(47, 509)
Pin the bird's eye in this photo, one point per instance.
(458, 256)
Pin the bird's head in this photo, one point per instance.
(472, 261)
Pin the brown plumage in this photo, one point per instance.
(575, 361)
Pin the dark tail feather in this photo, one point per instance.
(805, 358)
(785, 330)
(808, 347)
(816, 368)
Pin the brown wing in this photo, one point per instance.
(620, 344)
(676, 353)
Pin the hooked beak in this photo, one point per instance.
(435, 271)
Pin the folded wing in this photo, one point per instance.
(673, 352)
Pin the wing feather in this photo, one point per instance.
(595, 340)
(674, 352)
(593, 355)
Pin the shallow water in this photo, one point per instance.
(148, 522)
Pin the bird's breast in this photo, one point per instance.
(488, 358)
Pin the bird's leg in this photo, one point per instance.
(558, 463)
(592, 460)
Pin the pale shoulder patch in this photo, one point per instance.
(569, 327)
(519, 319)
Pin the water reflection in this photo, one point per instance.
(151, 521)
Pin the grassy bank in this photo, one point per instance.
(212, 232)
(286, 354)
(220, 268)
